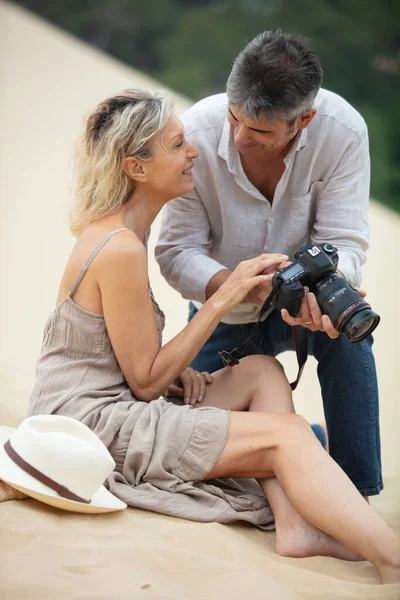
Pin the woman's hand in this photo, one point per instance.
(249, 274)
(190, 385)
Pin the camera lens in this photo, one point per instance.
(357, 328)
(359, 324)
(348, 311)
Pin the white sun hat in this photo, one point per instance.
(59, 461)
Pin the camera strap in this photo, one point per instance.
(230, 359)
(300, 340)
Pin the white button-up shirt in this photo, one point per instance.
(322, 196)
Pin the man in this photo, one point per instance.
(282, 163)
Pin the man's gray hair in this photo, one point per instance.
(276, 77)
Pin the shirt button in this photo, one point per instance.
(271, 220)
(169, 237)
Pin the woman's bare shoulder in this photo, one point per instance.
(121, 254)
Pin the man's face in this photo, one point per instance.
(259, 135)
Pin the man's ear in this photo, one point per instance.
(306, 119)
(134, 169)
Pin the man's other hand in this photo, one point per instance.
(311, 317)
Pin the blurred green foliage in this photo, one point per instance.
(190, 45)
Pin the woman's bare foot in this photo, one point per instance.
(388, 565)
(295, 537)
(301, 540)
(390, 574)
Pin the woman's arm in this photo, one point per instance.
(122, 277)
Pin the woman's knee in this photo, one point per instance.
(295, 432)
(264, 372)
(279, 438)
(260, 364)
(272, 430)
(258, 444)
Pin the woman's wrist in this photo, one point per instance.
(217, 305)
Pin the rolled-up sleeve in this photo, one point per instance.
(182, 250)
(342, 209)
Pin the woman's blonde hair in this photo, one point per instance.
(120, 126)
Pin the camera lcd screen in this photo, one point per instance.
(292, 271)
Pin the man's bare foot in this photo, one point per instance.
(302, 540)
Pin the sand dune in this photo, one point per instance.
(49, 79)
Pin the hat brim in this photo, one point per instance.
(102, 501)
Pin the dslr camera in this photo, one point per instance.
(315, 267)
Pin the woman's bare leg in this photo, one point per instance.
(265, 445)
(259, 384)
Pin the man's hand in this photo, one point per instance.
(311, 317)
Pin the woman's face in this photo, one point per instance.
(170, 168)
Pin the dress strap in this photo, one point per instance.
(85, 267)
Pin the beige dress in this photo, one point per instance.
(162, 450)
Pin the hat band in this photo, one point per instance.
(60, 489)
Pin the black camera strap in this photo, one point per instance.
(230, 359)
(300, 340)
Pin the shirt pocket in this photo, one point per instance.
(312, 195)
(300, 219)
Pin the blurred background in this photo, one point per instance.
(189, 46)
(58, 59)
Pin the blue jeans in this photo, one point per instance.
(348, 382)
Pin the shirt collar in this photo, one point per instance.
(227, 149)
(299, 143)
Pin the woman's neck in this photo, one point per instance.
(138, 213)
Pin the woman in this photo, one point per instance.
(102, 363)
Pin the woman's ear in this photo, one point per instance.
(134, 169)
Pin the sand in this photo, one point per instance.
(49, 80)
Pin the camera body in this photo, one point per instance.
(315, 267)
(312, 264)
